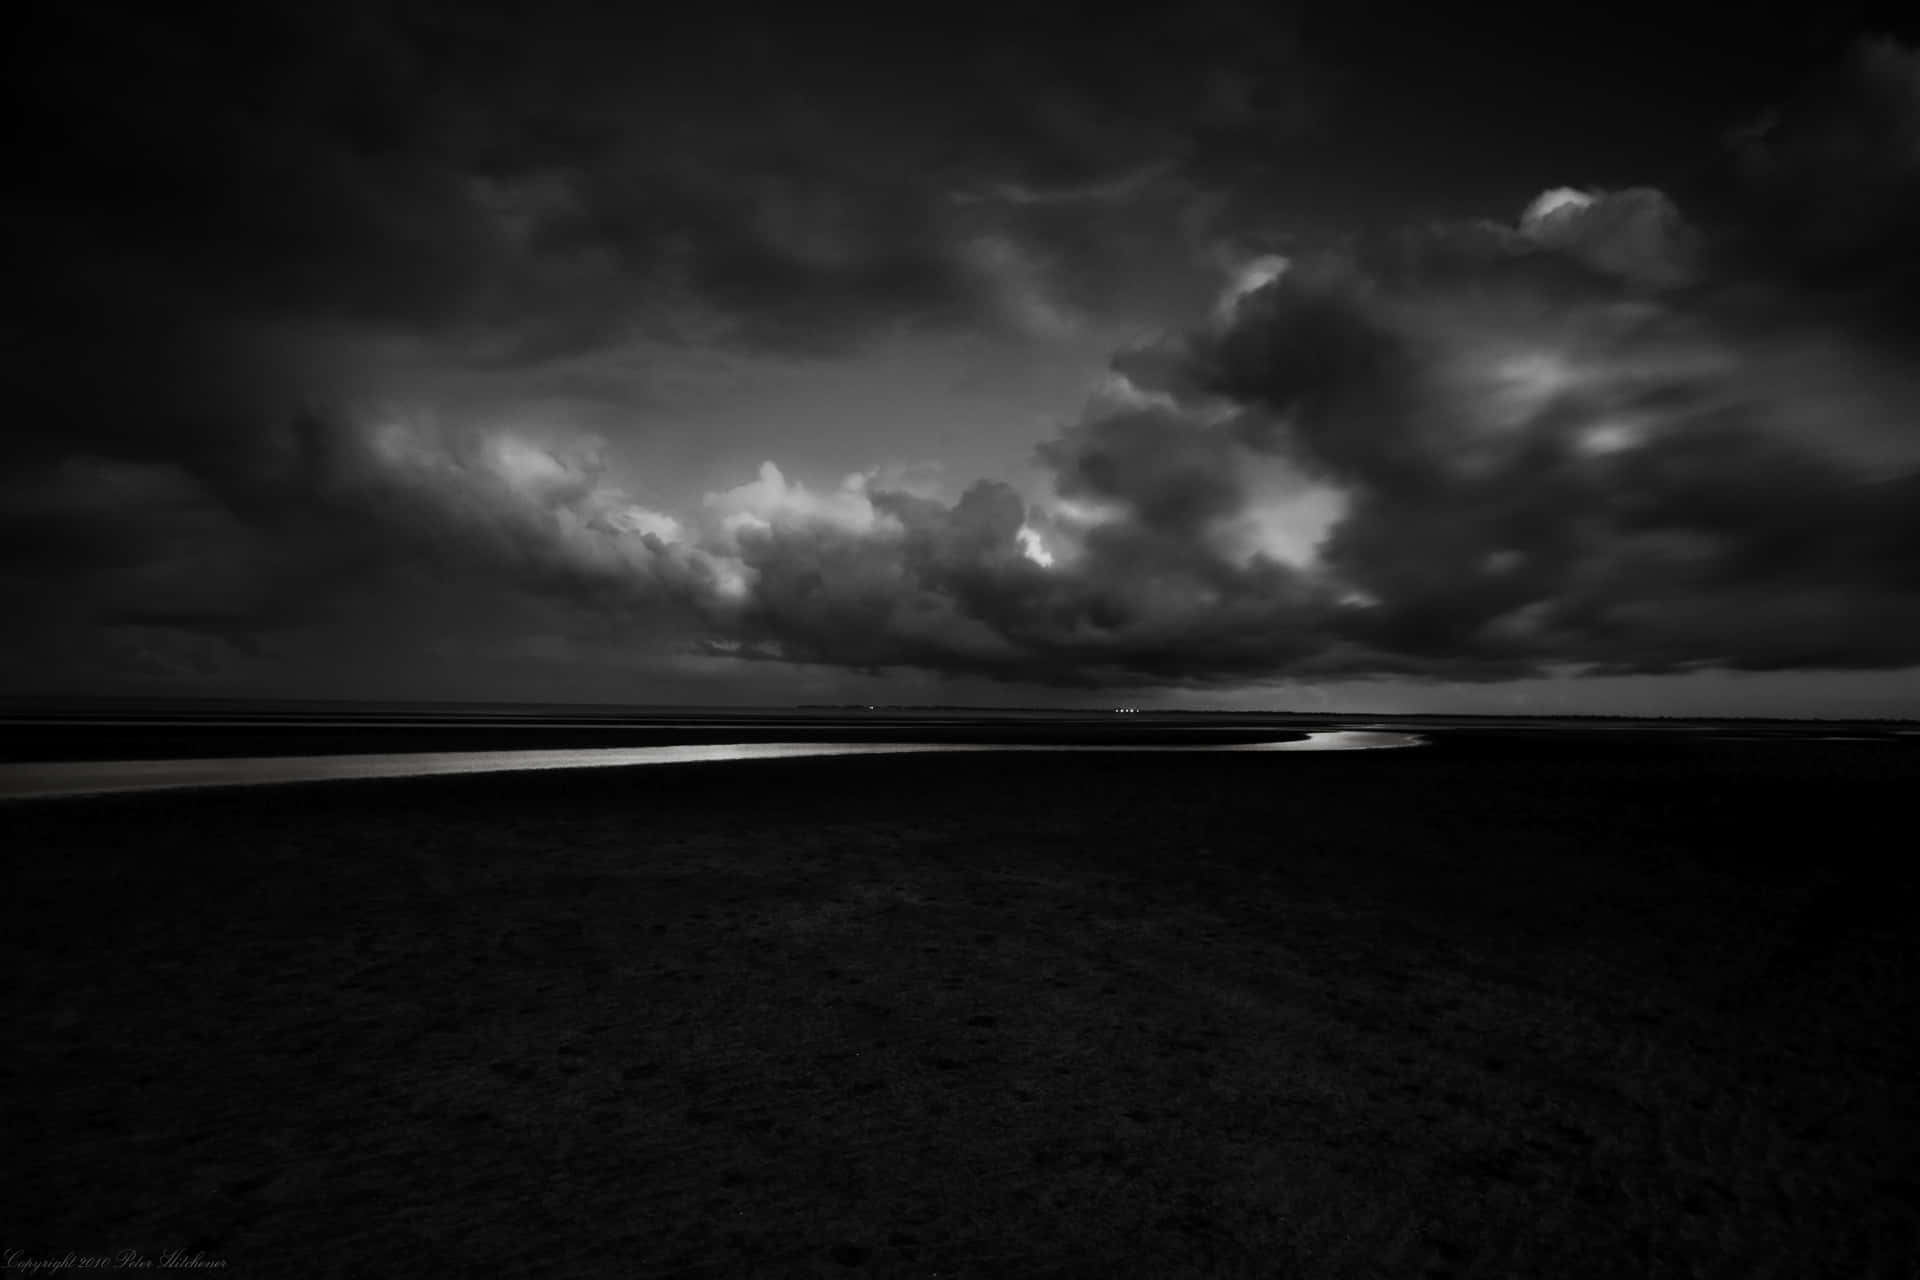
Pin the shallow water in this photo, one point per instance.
(99, 777)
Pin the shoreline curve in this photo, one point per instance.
(40, 781)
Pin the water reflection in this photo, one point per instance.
(97, 777)
(1343, 740)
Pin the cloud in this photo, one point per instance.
(1482, 450)
(1831, 186)
(1595, 437)
(1637, 234)
(1121, 188)
(1535, 474)
(526, 185)
(213, 222)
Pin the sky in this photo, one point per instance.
(1334, 357)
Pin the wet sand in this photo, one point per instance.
(1493, 1007)
(39, 780)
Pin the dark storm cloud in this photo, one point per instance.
(1588, 466)
(1835, 186)
(950, 588)
(203, 201)
(571, 168)
(212, 217)
(1596, 435)
(210, 214)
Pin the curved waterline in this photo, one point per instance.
(103, 777)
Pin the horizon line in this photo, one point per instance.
(46, 702)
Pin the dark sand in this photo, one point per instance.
(1503, 1006)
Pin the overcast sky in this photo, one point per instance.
(1345, 357)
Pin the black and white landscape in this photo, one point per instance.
(1222, 639)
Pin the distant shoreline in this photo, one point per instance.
(20, 707)
(125, 737)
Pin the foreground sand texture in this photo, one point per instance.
(1495, 1007)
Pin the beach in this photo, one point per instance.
(1581, 1005)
